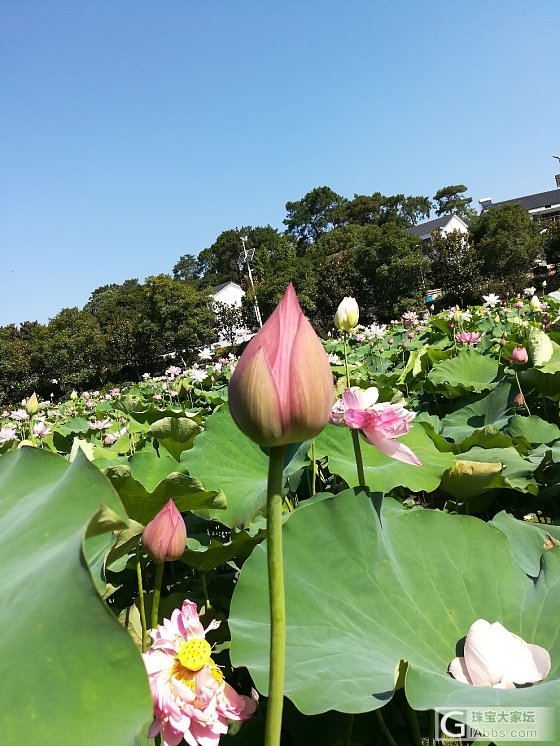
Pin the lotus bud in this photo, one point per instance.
(32, 405)
(390, 341)
(519, 400)
(347, 315)
(282, 389)
(519, 355)
(410, 335)
(74, 395)
(166, 535)
(535, 303)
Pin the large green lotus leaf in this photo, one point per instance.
(222, 458)
(383, 473)
(534, 429)
(491, 409)
(540, 346)
(176, 434)
(468, 371)
(207, 555)
(146, 481)
(71, 673)
(363, 594)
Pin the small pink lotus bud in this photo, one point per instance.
(519, 400)
(166, 535)
(405, 343)
(282, 388)
(519, 304)
(390, 341)
(450, 325)
(519, 355)
(410, 335)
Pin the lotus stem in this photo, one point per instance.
(277, 601)
(207, 603)
(384, 728)
(141, 606)
(349, 729)
(358, 457)
(313, 467)
(345, 348)
(157, 594)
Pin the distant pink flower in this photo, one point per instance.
(380, 424)
(40, 430)
(158, 397)
(518, 304)
(499, 659)
(192, 701)
(468, 337)
(519, 355)
(100, 424)
(173, 371)
(409, 318)
(519, 400)
(115, 392)
(90, 403)
(7, 433)
(19, 415)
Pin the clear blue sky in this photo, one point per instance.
(135, 131)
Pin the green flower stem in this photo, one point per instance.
(521, 392)
(277, 600)
(207, 603)
(349, 730)
(345, 348)
(384, 729)
(157, 594)
(141, 606)
(358, 457)
(414, 723)
(313, 467)
(432, 728)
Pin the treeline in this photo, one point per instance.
(331, 247)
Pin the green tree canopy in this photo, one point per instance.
(317, 212)
(507, 242)
(455, 267)
(452, 199)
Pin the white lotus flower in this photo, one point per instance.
(530, 291)
(497, 658)
(491, 300)
(535, 303)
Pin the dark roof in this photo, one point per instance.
(533, 201)
(217, 288)
(429, 225)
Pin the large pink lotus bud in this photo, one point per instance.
(519, 355)
(282, 388)
(166, 535)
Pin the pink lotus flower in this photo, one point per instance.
(519, 355)
(40, 430)
(192, 701)
(282, 388)
(409, 318)
(7, 433)
(497, 658)
(173, 371)
(100, 424)
(468, 337)
(19, 415)
(380, 424)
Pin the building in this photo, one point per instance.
(229, 293)
(446, 224)
(541, 206)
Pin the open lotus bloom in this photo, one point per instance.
(379, 424)
(498, 658)
(192, 700)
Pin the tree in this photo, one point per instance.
(455, 267)
(507, 242)
(379, 209)
(451, 200)
(551, 241)
(317, 212)
(229, 320)
(187, 268)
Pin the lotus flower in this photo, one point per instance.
(165, 536)
(282, 388)
(192, 701)
(535, 303)
(468, 337)
(380, 424)
(491, 300)
(347, 315)
(519, 355)
(498, 658)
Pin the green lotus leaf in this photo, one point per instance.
(206, 556)
(528, 541)
(222, 458)
(409, 587)
(540, 346)
(491, 409)
(468, 371)
(381, 472)
(534, 429)
(55, 629)
(146, 481)
(175, 434)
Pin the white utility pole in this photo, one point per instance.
(246, 257)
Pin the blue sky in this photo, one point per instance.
(132, 132)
